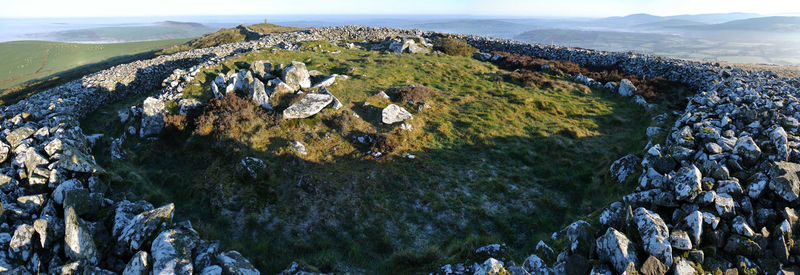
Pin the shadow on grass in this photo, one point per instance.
(392, 215)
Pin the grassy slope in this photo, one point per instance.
(496, 162)
(26, 60)
(32, 66)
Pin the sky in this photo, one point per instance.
(538, 8)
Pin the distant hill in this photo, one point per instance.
(714, 18)
(156, 31)
(669, 23)
(761, 24)
(180, 24)
(496, 28)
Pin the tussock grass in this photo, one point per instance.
(496, 162)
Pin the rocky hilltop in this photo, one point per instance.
(720, 192)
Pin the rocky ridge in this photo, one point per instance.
(725, 180)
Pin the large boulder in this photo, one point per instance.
(626, 88)
(153, 111)
(624, 167)
(79, 242)
(393, 114)
(296, 76)
(615, 248)
(654, 234)
(308, 106)
(139, 231)
(172, 251)
(784, 180)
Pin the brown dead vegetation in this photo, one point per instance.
(671, 94)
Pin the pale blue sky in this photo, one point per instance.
(583, 8)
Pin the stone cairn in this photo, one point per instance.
(721, 191)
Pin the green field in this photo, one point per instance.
(28, 60)
(496, 162)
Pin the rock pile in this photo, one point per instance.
(720, 192)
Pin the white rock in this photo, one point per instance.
(626, 88)
(615, 248)
(393, 114)
(654, 234)
(309, 105)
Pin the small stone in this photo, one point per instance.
(299, 148)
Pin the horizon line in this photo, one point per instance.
(400, 14)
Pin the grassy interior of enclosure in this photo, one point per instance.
(497, 161)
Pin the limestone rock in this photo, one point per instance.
(747, 149)
(624, 167)
(296, 76)
(785, 181)
(335, 104)
(652, 266)
(393, 114)
(328, 81)
(615, 248)
(138, 232)
(4, 149)
(491, 267)
(153, 111)
(21, 243)
(138, 265)
(687, 183)
(172, 251)
(79, 241)
(626, 88)
(680, 240)
(77, 160)
(309, 105)
(299, 148)
(234, 263)
(683, 267)
(16, 137)
(262, 69)
(124, 212)
(280, 87)
(259, 95)
(654, 233)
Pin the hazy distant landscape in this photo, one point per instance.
(731, 37)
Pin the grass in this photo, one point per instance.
(496, 162)
(32, 66)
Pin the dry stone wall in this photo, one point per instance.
(725, 180)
